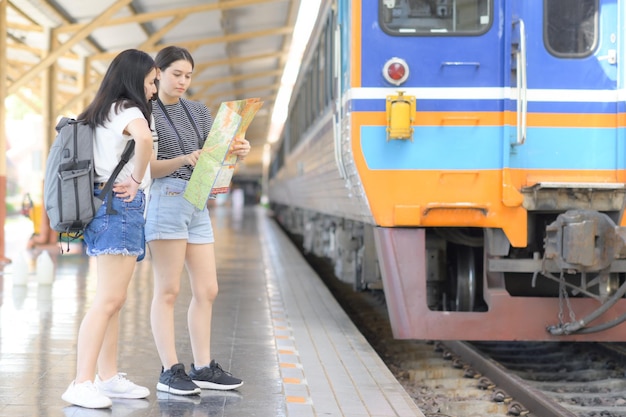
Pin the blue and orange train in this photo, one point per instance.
(469, 158)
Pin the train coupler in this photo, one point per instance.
(584, 241)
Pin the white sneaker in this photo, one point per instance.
(120, 387)
(86, 395)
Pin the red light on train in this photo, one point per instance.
(396, 71)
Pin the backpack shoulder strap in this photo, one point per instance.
(128, 152)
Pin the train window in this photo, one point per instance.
(571, 27)
(435, 17)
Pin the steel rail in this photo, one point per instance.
(537, 403)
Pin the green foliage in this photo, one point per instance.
(11, 209)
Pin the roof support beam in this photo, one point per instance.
(78, 36)
(214, 96)
(237, 60)
(145, 46)
(156, 36)
(146, 17)
(234, 78)
(235, 37)
(25, 27)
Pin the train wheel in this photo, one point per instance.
(465, 279)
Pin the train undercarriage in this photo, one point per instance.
(471, 284)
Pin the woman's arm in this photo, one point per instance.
(162, 167)
(140, 131)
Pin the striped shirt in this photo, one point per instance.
(170, 145)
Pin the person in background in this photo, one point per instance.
(179, 235)
(120, 112)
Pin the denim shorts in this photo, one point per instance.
(118, 234)
(170, 216)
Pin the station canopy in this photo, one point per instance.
(58, 50)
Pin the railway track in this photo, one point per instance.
(459, 379)
(583, 379)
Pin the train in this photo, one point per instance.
(468, 159)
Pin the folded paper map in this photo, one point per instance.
(215, 167)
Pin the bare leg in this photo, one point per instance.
(168, 259)
(114, 274)
(200, 261)
(107, 360)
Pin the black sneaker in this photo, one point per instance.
(176, 381)
(214, 377)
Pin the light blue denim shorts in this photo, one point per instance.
(118, 234)
(170, 216)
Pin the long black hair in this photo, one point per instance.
(122, 85)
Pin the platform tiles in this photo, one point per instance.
(275, 326)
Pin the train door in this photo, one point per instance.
(457, 57)
(451, 58)
(564, 79)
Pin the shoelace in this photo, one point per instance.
(179, 373)
(218, 367)
(121, 377)
(87, 385)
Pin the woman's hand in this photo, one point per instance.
(191, 158)
(240, 147)
(126, 190)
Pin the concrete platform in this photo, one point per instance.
(275, 326)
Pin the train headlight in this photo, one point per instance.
(396, 71)
(400, 111)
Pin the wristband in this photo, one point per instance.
(133, 178)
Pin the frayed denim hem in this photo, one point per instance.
(123, 252)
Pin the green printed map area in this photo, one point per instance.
(215, 167)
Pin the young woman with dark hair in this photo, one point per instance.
(120, 112)
(179, 235)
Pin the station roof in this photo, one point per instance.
(240, 48)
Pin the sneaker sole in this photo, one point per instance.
(212, 385)
(70, 400)
(166, 388)
(126, 396)
(166, 397)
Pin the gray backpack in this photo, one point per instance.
(68, 186)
